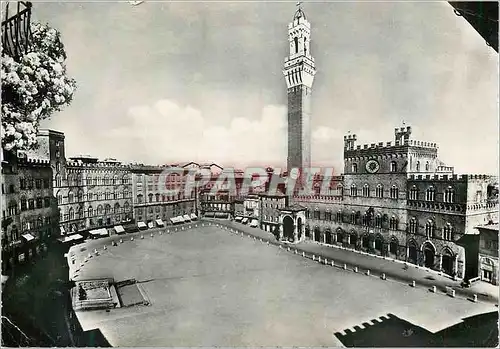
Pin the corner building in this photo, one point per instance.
(399, 200)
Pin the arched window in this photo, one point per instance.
(115, 179)
(150, 196)
(339, 216)
(378, 221)
(126, 206)
(107, 209)
(393, 223)
(430, 194)
(448, 232)
(430, 229)
(90, 196)
(394, 166)
(418, 166)
(354, 190)
(449, 195)
(413, 193)
(353, 217)
(157, 197)
(117, 208)
(394, 192)
(71, 213)
(366, 191)
(379, 191)
(125, 194)
(99, 210)
(96, 180)
(80, 196)
(139, 199)
(88, 179)
(354, 168)
(413, 225)
(106, 180)
(58, 167)
(296, 41)
(316, 213)
(58, 181)
(70, 197)
(427, 166)
(70, 180)
(340, 190)
(59, 198)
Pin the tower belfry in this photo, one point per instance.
(299, 71)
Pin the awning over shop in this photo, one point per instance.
(103, 232)
(62, 230)
(159, 223)
(141, 225)
(119, 229)
(173, 220)
(238, 218)
(151, 225)
(180, 219)
(245, 220)
(76, 237)
(209, 214)
(220, 215)
(193, 217)
(95, 232)
(186, 218)
(28, 237)
(254, 223)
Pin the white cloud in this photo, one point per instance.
(169, 132)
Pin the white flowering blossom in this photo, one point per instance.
(33, 88)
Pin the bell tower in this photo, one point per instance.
(299, 71)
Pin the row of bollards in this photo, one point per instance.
(450, 292)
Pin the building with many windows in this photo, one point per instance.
(29, 211)
(161, 195)
(398, 200)
(488, 253)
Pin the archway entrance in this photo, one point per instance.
(299, 228)
(288, 228)
(379, 243)
(429, 253)
(340, 236)
(353, 239)
(412, 252)
(447, 263)
(317, 234)
(365, 241)
(393, 247)
(328, 237)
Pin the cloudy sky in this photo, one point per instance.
(168, 82)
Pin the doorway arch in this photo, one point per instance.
(393, 246)
(379, 243)
(288, 228)
(412, 252)
(447, 262)
(340, 236)
(328, 237)
(429, 253)
(317, 234)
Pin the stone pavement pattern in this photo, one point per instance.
(211, 287)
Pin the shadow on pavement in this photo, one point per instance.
(476, 331)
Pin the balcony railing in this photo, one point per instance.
(16, 30)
